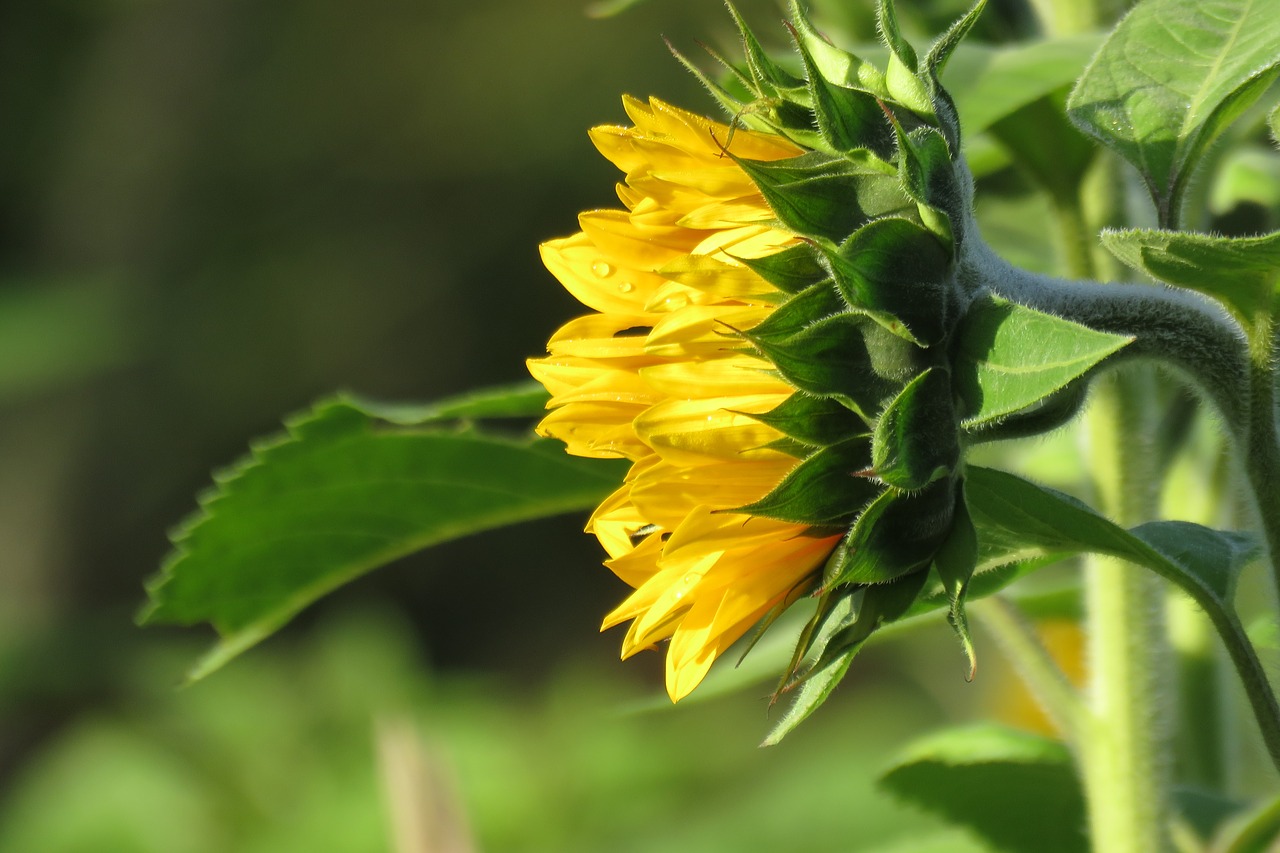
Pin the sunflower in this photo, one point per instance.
(661, 374)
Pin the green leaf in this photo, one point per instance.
(1010, 356)
(1018, 791)
(1047, 147)
(1254, 832)
(837, 632)
(1170, 78)
(1204, 563)
(518, 400)
(1242, 272)
(344, 492)
(815, 421)
(1273, 122)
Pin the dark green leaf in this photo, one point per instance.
(900, 274)
(521, 400)
(1017, 790)
(1242, 272)
(1254, 832)
(1047, 147)
(848, 118)
(341, 494)
(1170, 78)
(812, 305)
(1010, 356)
(915, 440)
(834, 637)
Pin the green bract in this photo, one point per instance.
(888, 330)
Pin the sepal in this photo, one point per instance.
(791, 270)
(848, 119)
(916, 440)
(823, 490)
(955, 563)
(897, 535)
(813, 421)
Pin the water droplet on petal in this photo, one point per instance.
(626, 287)
(602, 269)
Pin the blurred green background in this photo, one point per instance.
(213, 212)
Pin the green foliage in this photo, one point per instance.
(344, 492)
(1243, 273)
(1011, 356)
(1016, 790)
(1169, 79)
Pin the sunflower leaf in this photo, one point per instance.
(1169, 79)
(1241, 272)
(347, 490)
(1011, 356)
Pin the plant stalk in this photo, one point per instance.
(1126, 751)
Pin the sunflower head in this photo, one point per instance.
(772, 308)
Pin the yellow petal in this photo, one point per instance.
(665, 494)
(729, 376)
(628, 245)
(702, 432)
(596, 281)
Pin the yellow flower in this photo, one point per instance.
(659, 376)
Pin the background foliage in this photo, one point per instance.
(214, 212)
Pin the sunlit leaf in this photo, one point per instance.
(1170, 78)
(1011, 356)
(1242, 272)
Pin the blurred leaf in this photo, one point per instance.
(1254, 832)
(609, 8)
(990, 83)
(1045, 145)
(343, 493)
(1170, 78)
(53, 333)
(1241, 272)
(1273, 121)
(974, 775)
(1010, 356)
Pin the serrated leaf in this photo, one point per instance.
(971, 775)
(1241, 272)
(1010, 356)
(1170, 78)
(915, 441)
(343, 493)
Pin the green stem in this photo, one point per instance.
(1125, 751)
(1263, 448)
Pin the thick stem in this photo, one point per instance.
(1263, 446)
(1126, 750)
